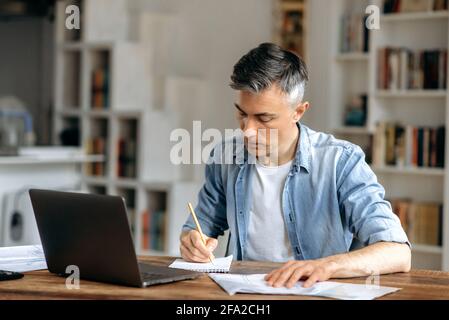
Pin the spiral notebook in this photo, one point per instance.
(218, 265)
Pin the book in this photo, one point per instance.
(401, 207)
(440, 5)
(409, 147)
(431, 65)
(422, 221)
(390, 154)
(292, 30)
(126, 158)
(354, 36)
(100, 88)
(145, 245)
(405, 69)
(440, 146)
(379, 145)
(157, 230)
(425, 151)
(96, 146)
(153, 227)
(397, 6)
(400, 145)
(416, 5)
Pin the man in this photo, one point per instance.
(310, 200)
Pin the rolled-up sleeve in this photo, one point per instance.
(361, 200)
(211, 207)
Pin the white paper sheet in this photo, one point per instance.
(22, 258)
(218, 265)
(255, 283)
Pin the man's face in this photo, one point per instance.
(263, 114)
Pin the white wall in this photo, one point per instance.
(210, 36)
(319, 52)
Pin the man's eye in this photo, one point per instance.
(265, 119)
(242, 115)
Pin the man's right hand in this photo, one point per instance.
(193, 249)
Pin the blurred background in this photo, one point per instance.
(90, 91)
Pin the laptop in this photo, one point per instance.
(92, 232)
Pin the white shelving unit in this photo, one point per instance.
(290, 27)
(355, 73)
(415, 16)
(418, 94)
(136, 111)
(352, 56)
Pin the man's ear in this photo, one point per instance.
(300, 110)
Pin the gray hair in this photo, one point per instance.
(269, 64)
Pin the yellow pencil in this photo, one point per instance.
(198, 227)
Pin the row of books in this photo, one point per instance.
(127, 159)
(396, 6)
(96, 146)
(292, 31)
(292, 22)
(402, 69)
(100, 88)
(153, 230)
(399, 145)
(354, 36)
(421, 221)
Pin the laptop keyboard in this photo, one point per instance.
(148, 276)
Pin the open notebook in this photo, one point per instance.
(218, 265)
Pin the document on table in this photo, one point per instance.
(22, 258)
(255, 283)
(218, 265)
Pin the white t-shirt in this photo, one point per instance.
(267, 233)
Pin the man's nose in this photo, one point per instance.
(250, 125)
(250, 135)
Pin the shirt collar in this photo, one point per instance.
(303, 152)
(302, 155)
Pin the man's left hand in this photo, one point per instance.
(293, 271)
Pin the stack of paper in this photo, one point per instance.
(217, 265)
(255, 283)
(22, 258)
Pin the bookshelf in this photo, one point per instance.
(356, 72)
(109, 100)
(432, 94)
(290, 29)
(437, 172)
(432, 15)
(352, 56)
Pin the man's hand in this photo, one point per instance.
(377, 258)
(293, 271)
(193, 249)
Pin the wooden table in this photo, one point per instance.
(418, 284)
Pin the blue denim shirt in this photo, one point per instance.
(332, 202)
